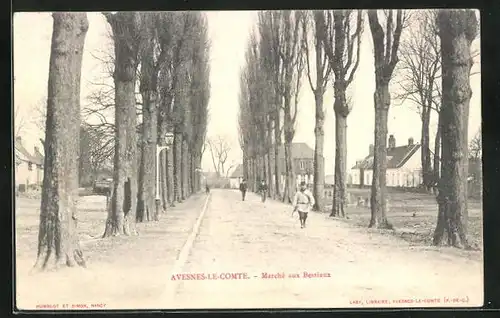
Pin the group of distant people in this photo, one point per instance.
(303, 199)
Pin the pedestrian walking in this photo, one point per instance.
(243, 189)
(302, 203)
(263, 190)
(207, 189)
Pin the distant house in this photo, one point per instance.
(404, 167)
(236, 177)
(28, 166)
(303, 162)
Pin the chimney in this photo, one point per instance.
(392, 142)
(410, 141)
(370, 150)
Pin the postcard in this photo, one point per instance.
(247, 159)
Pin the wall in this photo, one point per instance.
(402, 177)
(234, 183)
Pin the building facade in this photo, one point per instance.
(303, 163)
(236, 177)
(28, 167)
(404, 167)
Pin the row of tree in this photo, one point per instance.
(433, 60)
(165, 55)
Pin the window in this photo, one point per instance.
(30, 166)
(301, 164)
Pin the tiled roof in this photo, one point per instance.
(37, 155)
(300, 150)
(237, 172)
(396, 157)
(23, 153)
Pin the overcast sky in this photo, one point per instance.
(229, 32)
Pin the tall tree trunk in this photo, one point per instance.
(437, 151)
(277, 161)
(254, 173)
(378, 203)
(146, 210)
(425, 149)
(191, 173)
(339, 191)
(319, 142)
(270, 159)
(290, 174)
(122, 215)
(457, 30)
(289, 133)
(171, 176)
(178, 167)
(246, 173)
(58, 243)
(131, 185)
(184, 168)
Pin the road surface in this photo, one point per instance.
(262, 258)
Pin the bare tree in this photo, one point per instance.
(385, 44)
(420, 68)
(127, 42)
(96, 151)
(58, 243)
(219, 148)
(343, 48)
(248, 131)
(457, 30)
(292, 58)
(476, 146)
(270, 78)
(270, 30)
(20, 121)
(150, 61)
(199, 98)
(312, 26)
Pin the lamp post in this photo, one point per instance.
(169, 138)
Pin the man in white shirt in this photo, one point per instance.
(303, 201)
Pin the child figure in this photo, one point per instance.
(302, 202)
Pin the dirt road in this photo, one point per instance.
(328, 264)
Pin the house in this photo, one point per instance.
(28, 166)
(404, 167)
(236, 177)
(303, 163)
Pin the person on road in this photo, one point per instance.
(263, 190)
(207, 189)
(302, 203)
(243, 189)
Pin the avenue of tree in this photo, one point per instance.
(430, 53)
(160, 70)
(164, 56)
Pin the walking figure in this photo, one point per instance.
(302, 203)
(243, 189)
(263, 190)
(207, 189)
